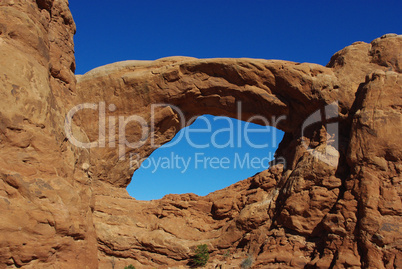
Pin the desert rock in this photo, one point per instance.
(334, 202)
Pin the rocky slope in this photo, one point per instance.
(336, 203)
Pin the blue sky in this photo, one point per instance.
(215, 153)
(301, 31)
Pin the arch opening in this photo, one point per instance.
(212, 153)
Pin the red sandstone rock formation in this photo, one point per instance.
(67, 207)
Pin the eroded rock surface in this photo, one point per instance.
(336, 203)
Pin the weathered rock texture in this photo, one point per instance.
(335, 204)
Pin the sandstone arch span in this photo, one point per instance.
(283, 93)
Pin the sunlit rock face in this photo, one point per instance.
(333, 197)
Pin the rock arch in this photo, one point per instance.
(307, 198)
(284, 93)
